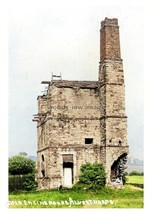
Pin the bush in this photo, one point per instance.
(22, 173)
(29, 182)
(19, 165)
(135, 173)
(92, 175)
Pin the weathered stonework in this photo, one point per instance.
(84, 121)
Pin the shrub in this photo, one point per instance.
(92, 174)
(134, 173)
(19, 165)
(29, 182)
(22, 173)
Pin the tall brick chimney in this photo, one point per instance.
(112, 101)
(109, 40)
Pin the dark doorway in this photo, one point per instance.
(68, 174)
(118, 168)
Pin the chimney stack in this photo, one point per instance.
(109, 40)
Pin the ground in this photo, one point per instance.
(129, 197)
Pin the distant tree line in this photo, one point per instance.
(134, 173)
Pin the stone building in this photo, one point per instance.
(84, 121)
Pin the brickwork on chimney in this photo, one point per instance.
(109, 40)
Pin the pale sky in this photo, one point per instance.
(45, 37)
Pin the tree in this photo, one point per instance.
(93, 174)
(24, 154)
(19, 165)
(134, 173)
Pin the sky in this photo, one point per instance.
(46, 37)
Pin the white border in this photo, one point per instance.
(4, 108)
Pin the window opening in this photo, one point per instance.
(88, 140)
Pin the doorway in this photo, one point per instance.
(68, 174)
(118, 169)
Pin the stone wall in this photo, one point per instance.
(84, 121)
(112, 95)
(72, 115)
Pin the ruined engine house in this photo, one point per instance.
(84, 121)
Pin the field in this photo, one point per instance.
(129, 197)
(137, 180)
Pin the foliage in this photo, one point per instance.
(19, 165)
(92, 174)
(82, 186)
(16, 182)
(29, 182)
(22, 173)
(24, 154)
(22, 182)
(135, 173)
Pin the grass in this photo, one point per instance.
(136, 179)
(129, 197)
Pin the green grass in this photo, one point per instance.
(136, 179)
(129, 197)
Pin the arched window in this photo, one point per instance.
(42, 157)
(120, 142)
